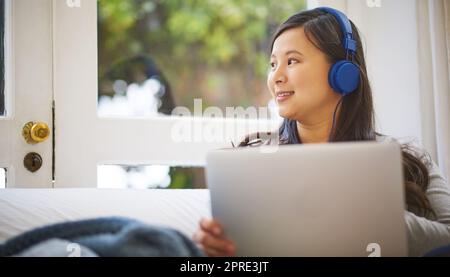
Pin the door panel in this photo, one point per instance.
(29, 89)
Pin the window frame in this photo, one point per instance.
(8, 65)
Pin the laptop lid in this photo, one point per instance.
(334, 199)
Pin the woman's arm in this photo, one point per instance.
(426, 234)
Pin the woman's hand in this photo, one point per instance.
(211, 239)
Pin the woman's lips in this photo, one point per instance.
(284, 95)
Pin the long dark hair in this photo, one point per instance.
(356, 118)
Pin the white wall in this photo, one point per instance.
(389, 32)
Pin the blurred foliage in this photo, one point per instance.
(210, 49)
(187, 178)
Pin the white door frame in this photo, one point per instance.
(29, 89)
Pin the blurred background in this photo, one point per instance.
(156, 55)
(215, 50)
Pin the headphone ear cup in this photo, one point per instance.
(344, 77)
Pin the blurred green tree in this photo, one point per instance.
(215, 50)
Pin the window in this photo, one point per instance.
(150, 177)
(156, 55)
(2, 178)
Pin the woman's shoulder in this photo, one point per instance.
(407, 144)
(415, 148)
(385, 138)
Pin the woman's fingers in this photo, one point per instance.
(214, 252)
(211, 239)
(211, 252)
(212, 226)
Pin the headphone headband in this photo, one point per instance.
(348, 42)
(344, 76)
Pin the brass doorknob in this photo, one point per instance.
(35, 132)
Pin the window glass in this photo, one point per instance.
(150, 177)
(2, 178)
(156, 55)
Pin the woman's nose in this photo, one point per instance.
(280, 80)
(279, 76)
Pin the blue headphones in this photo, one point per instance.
(344, 74)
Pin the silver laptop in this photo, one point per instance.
(335, 199)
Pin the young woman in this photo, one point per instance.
(322, 101)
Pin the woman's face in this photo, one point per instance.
(298, 79)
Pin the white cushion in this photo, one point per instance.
(25, 209)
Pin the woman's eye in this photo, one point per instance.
(291, 61)
(272, 65)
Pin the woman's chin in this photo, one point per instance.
(284, 113)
